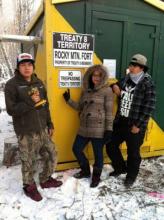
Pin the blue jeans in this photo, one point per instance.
(97, 144)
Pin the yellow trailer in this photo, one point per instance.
(107, 24)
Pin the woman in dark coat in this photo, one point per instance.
(95, 110)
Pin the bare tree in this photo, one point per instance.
(21, 11)
(24, 10)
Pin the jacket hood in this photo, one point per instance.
(88, 75)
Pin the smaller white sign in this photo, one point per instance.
(110, 64)
(70, 78)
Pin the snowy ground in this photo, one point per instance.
(75, 200)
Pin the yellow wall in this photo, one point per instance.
(156, 3)
(40, 64)
(64, 118)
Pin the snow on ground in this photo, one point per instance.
(75, 200)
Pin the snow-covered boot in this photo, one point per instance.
(84, 172)
(96, 176)
(32, 192)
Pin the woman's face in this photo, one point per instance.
(96, 78)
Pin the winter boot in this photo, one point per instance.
(129, 181)
(84, 172)
(95, 177)
(51, 182)
(116, 173)
(32, 192)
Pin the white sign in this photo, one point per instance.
(70, 78)
(73, 50)
(110, 64)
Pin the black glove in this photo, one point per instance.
(66, 95)
(107, 136)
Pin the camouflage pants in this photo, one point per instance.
(32, 146)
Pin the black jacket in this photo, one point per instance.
(143, 103)
(27, 119)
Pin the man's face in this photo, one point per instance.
(134, 68)
(26, 69)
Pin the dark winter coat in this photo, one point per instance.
(143, 103)
(27, 119)
(95, 108)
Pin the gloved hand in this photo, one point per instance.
(107, 136)
(66, 95)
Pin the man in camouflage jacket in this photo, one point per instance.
(27, 103)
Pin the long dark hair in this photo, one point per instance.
(95, 68)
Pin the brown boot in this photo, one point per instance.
(51, 183)
(95, 177)
(32, 192)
